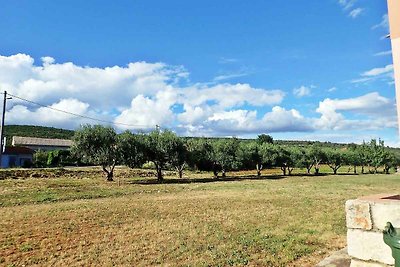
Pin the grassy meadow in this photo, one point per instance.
(73, 217)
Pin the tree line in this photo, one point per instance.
(100, 145)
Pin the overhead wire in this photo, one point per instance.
(79, 115)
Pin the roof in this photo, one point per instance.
(34, 141)
(18, 150)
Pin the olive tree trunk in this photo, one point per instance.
(160, 177)
(179, 169)
(259, 167)
(109, 172)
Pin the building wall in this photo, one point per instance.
(8, 161)
(394, 20)
(396, 64)
(46, 148)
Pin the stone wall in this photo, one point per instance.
(366, 218)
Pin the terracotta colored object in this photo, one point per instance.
(394, 21)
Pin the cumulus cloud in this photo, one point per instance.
(101, 87)
(145, 112)
(246, 121)
(141, 95)
(20, 114)
(379, 112)
(138, 95)
(230, 95)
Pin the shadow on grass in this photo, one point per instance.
(219, 179)
(224, 179)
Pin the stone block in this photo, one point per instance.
(358, 263)
(368, 246)
(358, 215)
(382, 213)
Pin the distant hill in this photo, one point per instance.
(36, 131)
(51, 132)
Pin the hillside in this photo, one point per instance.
(36, 131)
(51, 132)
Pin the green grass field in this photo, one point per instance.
(75, 218)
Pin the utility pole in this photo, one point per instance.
(2, 143)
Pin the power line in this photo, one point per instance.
(78, 115)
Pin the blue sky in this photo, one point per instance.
(318, 70)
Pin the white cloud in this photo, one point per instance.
(139, 93)
(20, 114)
(302, 91)
(378, 112)
(384, 24)
(383, 53)
(229, 76)
(332, 89)
(356, 12)
(282, 120)
(246, 121)
(347, 4)
(145, 112)
(230, 95)
(48, 60)
(376, 73)
(226, 60)
(101, 87)
(144, 94)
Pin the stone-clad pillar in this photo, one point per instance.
(394, 20)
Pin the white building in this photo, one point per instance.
(45, 144)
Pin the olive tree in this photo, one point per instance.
(131, 148)
(352, 158)
(297, 158)
(180, 156)
(302, 158)
(334, 158)
(265, 138)
(365, 156)
(284, 159)
(249, 156)
(160, 148)
(389, 161)
(318, 156)
(268, 154)
(200, 153)
(97, 145)
(377, 153)
(308, 159)
(225, 155)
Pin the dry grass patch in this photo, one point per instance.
(288, 222)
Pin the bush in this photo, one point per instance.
(40, 159)
(27, 164)
(148, 165)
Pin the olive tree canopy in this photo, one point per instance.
(97, 145)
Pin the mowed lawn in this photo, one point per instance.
(70, 221)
